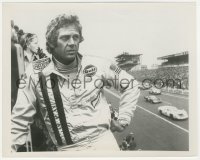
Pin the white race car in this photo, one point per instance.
(155, 91)
(173, 112)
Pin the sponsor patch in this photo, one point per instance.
(40, 64)
(90, 70)
(115, 68)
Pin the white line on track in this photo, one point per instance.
(163, 119)
(183, 129)
(172, 95)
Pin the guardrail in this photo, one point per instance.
(176, 91)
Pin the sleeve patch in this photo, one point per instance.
(115, 68)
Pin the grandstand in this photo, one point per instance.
(179, 59)
(175, 68)
(169, 73)
(128, 61)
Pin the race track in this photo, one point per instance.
(152, 130)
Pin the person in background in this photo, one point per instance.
(32, 53)
(29, 43)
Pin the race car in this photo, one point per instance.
(173, 112)
(155, 91)
(152, 99)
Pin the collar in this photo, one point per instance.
(51, 68)
(30, 57)
(65, 68)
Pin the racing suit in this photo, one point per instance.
(73, 107)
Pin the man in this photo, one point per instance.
(29, 43)
(71, 96)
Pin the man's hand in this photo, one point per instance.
(116, 126)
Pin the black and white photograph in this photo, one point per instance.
(99, 77)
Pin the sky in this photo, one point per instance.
(109, 29)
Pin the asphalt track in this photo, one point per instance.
(152, 130)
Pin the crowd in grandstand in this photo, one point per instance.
(166, 74)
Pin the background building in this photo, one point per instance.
(179, 59)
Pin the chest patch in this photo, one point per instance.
(90, 70)
(40, 64)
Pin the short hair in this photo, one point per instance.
(59, 22)
(26, 39)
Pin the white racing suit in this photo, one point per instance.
(73, 107)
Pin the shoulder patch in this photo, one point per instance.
(40, 64)
(115, 68)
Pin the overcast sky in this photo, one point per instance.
(150, 29)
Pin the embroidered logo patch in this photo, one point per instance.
(90, 70)
(40, 64)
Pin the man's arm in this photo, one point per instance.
(128, 87)
(22, 114)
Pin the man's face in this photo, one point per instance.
(67, 44)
